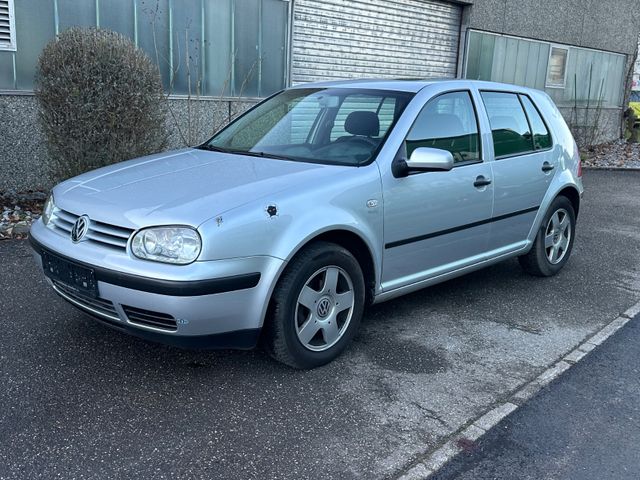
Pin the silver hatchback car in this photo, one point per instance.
(320, 200)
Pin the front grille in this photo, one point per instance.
(148, 318)
(93, 305)
(104, 234)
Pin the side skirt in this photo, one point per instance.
(428, 278)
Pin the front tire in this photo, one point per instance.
(554, 241)
(316, 307)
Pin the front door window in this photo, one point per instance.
(447, 122)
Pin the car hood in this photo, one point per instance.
(182, 187)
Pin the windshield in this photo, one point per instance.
(344, 126)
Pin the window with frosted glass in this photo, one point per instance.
(557, 67)
(217, 54)
(151, 23)
(33, 32)
(202, 47)
(117, 15)
(187, 46)
(275, 17)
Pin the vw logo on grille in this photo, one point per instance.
(324, 306)
(80, 228)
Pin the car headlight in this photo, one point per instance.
(178, 245)
(47, 210)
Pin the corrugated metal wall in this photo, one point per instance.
(335, 39)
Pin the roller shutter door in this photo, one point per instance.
(337, 39)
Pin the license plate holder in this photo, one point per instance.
(74, 276)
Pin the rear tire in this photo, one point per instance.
(316, 307)
(554, 240)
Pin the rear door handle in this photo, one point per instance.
(481, 181)
(547, 167)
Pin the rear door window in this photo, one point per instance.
(509, 126)
(541, 136)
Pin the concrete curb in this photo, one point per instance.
(434, 461)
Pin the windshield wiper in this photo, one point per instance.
(213, 148)
(264, 155)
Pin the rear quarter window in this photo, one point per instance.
(541, 136)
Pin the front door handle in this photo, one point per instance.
(481, 181)
(547, 167)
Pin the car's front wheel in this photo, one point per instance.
(554, 241)
(316, 306)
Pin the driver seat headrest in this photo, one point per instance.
(360, 122)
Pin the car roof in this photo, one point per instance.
(400, 84)
(409, 85)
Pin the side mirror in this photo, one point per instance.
(425, 159)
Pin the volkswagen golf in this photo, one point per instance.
(317, 202)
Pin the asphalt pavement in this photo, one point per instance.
(78, 400)
(583, 426)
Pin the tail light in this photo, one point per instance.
(576, 154)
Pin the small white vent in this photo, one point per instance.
(7, 26)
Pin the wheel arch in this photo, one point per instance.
(570, 191)
(573, 195)
(356, 245)
(346, 238)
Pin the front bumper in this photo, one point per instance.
(215, 304)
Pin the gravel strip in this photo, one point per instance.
(617, 154)
(18, 212)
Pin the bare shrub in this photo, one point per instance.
(100, 101)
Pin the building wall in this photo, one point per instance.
(610, 26)
(23, 152)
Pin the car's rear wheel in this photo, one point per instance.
(554, 241)
(316, 306)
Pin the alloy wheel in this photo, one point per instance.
(557, 236)
(324, 308)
